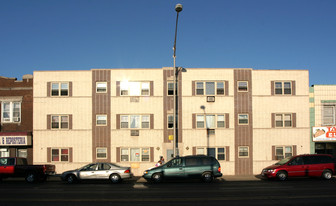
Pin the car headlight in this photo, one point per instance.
(145, 172)
(270, 170)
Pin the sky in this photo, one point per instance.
(39, 35)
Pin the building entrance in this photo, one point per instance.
(325, 148)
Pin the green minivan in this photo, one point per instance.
(203, 167)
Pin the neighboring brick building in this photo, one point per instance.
(253, 117)
(16, 99)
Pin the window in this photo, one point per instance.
(21, 153)
(135, 121)
(170, 88)
(101, 120)
(60, 122)
(243, 152)
(211, 88)
(135, 154)
(101, 87)
(212, 121)
(283, 120)
(281, 88)
(170, 121)
(134, 88)
(4, 152)
(243, 119)
(283, 152)
(328, 115)
(101, 153)
(60, 155)
(59, 89)
(218, 153)
(11, 112)
(242, 86)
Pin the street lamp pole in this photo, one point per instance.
(207, 129)
(178, 9)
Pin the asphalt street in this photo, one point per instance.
(305, 191)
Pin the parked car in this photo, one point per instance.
(96, 171)
(196, 166)
(310, 165)
(18, 167)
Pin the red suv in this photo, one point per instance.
(308, 165)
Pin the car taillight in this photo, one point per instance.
(219, 169)
(127, 171)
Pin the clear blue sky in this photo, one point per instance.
(86, 34)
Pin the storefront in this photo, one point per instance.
(16, 144)
(325, 140)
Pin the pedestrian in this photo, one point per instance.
(158, 163)
(162, 160)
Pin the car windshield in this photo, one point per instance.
(283, 161)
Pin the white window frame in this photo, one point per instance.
(239, 152)
(284, 152)
(101, 118)
(60, 154)
(283, 89)
(60, 122)
(241, 88)
(143, 155)
(11, 118)
(59, 89)
(101, 87)
(170, 124)
(130, 117)
(331, 116)
(170, 89)
(126, 88)
(204, 88)
(239, 118)
(205, 122)
(101, 150)
(205, 149)
(283, 120)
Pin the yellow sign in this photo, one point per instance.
(171, 137)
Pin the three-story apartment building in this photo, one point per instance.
(245, 118)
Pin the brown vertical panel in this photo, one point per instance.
(152, 121)
(273, 153)
(226, 88)
(70, 89)
(227, 151)
(194, 121)
(118, 154)
(180, 119)
(118, 88)
(12, 152)
(152, 154)
(118, 121)
(293, 88)
(48, 121)
(151, 88)
(194, 151)
(193, 86)
(272, 88)
(165, 106)
(49, 154)
(48, 89)
(273, 120)
(294, 119)
(70, 121)
(70, 155)
(294, 150)
(227, 120)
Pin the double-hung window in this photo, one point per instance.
(59, 155)
(101, 120)
(11, 112)
(210, 88)
(59, 122)
(134, 88)
(328, 115)
(218, 152)
(211, 121)
(170, 88)
(243, 152)
(282, 88)
(101, 87)
(283, 120)
(283, 152)
(135, 154)
(135, 121)
(59, 89)
(242, 86)
(101, 153)
(243, 119)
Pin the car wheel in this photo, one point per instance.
(282, 175)
(207, 177)
(30, 177)
(327, 174)
(115, 178)
(70, 179)
(157, 177)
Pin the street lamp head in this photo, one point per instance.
(178, 8)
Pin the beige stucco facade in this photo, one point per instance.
(82, 133)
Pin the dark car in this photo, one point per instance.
(203, 167)
(98, 171)
(309, 165)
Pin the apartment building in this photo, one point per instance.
(323, 119)
(246, 118)
(16, 99)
